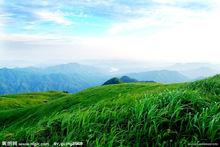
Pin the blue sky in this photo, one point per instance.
(156, 30)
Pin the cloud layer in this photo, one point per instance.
(166, 30)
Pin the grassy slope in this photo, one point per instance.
(26, 100)
(124, 114)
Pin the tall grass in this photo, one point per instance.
(172, 117)
(176, 116)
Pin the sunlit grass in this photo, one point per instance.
(136, 114)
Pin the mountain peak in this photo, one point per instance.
(127, 79)
(114, 80)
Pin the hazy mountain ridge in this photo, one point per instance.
(67, 77)
(163, 76)
(196, 70)
(74, 77)
(193, 71)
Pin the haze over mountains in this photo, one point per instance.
(163, 76)
(74, 77)
(67, 77)
(191, 70)
(196, 70)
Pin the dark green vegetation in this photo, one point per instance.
(123, 79)
(127, 79)
(128, 114)
(113, 81)
(69, 77)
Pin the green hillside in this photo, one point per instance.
(128, 114)
(28, 100)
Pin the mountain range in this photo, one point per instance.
(196, 70)
(74, 77)
(67, 77)
(162, 76)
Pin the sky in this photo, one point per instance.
(148, 30)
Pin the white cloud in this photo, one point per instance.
(160, 17)
(165, 1)
(131, 25)
(25, 37)
(189, 36)
(53, 17)
(185, 43)
(173, 2)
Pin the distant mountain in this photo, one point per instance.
(66, 77)
(196, 70)
(188, 66)
(163, 76)
(127, 79)
(121, 67)
(114, 80)
(200, 72)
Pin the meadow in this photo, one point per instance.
(127, 114)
